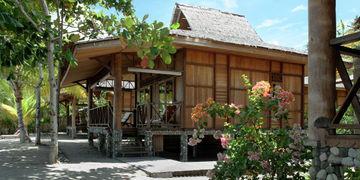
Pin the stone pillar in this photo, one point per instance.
(102, 143)
(116, 142)
(73, 117)
(184, 147)
(90, 138)
(322, 65)
(109, 145)
(149, 142)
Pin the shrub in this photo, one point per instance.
(251, 151)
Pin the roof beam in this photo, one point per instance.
(346, 39)
(102, 74)
(103, 64)
(154, 71)
(349, 51)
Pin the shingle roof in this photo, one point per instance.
(213, 24)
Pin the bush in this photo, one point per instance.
(251, 151)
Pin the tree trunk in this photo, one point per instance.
(38, 105)
(54, 146)
(53, 107)
(18, 101)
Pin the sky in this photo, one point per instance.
(280, 22)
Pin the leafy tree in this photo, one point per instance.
(76, 20)
(20, 46)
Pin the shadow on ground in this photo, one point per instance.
(19, 161)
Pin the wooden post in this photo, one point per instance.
(322, 92)
(321, 64)
(117, 73)
(67, 106)
(90, 105)
(73, 117)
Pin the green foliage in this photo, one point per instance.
(152, 40)
(252, 152)
(8, 119)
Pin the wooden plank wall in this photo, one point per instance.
(293, 81)
(199, 81)
(218, 76)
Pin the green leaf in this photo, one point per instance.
(154, 51)
(151, 64)
(145, 17)
(70, 58)
(158, 25)
(74, 37)
(166, 57)
(175, 26)
(140, 54)
(128, 22)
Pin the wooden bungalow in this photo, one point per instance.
(151, 108)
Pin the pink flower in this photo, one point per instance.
(225, 141)
(262, 87)
(194, 141)
(237, 112)
(285, 98)
(253, 156)
(223, 157)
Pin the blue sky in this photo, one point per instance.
(281, 22)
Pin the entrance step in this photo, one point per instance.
(158, 167)
(131, 147)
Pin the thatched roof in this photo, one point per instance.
(213, 24)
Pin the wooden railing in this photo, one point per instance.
(101, 116)
(158, 114)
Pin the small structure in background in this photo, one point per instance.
(149, 110)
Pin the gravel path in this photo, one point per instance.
(26, 161)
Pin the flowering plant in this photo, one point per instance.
(250, 150)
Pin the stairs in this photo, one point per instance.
(132, 145)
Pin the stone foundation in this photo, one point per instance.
(328, 163)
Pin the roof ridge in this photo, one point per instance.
(208, 9)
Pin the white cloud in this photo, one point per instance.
(268, 23)
(230, 4)
(275, 42)
(300, 7)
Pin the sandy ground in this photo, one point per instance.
(26, 161)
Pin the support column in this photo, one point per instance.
(322, 65)
(67, 106)
(184, 147)
(73, 117)
(149, 143)
(90, 105)
(117, 109)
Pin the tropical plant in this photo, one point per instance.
(250, 150)
(76, 20)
